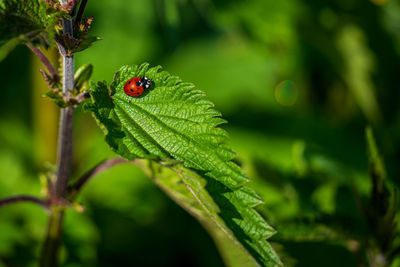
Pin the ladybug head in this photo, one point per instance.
(144, 82)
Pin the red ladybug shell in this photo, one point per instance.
(133, 87)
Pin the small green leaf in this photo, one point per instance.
(73, 45)
(173, 121)
(57, 97)
(377, 166)
(81, 40)
(383, 203)
(81, 77)
(26, 20)
(85, 43)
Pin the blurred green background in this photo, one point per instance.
(298, 82)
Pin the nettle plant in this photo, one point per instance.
(170, 131)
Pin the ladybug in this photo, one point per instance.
(135, 86)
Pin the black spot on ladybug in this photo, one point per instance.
(129, 81)
(131, 90)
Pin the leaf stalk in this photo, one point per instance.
(24, 198)
(45, 62)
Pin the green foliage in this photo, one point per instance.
(85, 43)
(306, 160)
(73, 45)
(358, 64)
(26, 20)
(171, 121)
(84, 40)
(227, 215)
(81, 39)
(82, 77)
(377, 167)
(57, 97)
(383, 205)
(174, 121)
(79, 94)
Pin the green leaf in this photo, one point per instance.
(382, 210)
(84, 43)
(174, 121)
(228, 215)
(81, 78)
(377, 166)
(27, 20)
(81, 33)
(57, 97)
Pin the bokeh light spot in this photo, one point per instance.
(286, 93)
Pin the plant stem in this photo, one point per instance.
(66, 123)
(51, 245)
(21, 198)
(64, 152)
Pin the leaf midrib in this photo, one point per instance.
(142, 130)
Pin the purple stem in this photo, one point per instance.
(45, 61)
(21, 198)
(65, 134)
(50, 250)
(80, 12)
